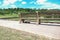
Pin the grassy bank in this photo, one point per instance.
(10, 34)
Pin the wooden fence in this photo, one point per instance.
(39, 17)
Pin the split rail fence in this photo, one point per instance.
(39, 17)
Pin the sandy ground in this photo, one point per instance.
(48, 30)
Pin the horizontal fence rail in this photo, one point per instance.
(39, 17)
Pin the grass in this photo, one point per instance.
(9, 16)
(12, 18)
(12, 34)
(15, 17)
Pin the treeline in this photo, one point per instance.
(16, 10)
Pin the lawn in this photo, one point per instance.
(12, 34)
(10, 17)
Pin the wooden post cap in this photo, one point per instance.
(36, 11)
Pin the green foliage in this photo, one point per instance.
(16, 10)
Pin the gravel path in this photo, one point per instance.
(47, 30)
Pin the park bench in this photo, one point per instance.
(28, 17)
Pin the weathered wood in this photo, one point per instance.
(50, 18)
(38, 20)
(20, 18)
(39, 17)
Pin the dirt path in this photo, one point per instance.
(46, 30)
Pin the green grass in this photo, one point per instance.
(9, 15)
(13, 19)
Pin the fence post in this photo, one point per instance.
(20, 17)
(37, 17)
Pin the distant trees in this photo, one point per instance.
(16, 10)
